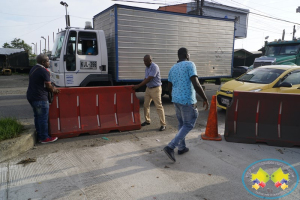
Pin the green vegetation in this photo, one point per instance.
(20, 73)
(18, 43)
(10, 128)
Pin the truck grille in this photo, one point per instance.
(258, 64)
(221, 98)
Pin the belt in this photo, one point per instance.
(154, 87)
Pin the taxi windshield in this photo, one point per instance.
(261, 75)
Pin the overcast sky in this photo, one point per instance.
(31, 19)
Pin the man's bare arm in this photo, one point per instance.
(144, 82)
(200, 91)
(52, 88)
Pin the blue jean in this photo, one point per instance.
(41, 112)
(187, 116)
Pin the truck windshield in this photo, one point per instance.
(288, 49)
(261, 75)
(59, 40)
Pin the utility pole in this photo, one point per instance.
(45, 44)
(33, 48)
(294, 31)
(201, 9)
(297, 11)
(197, 10)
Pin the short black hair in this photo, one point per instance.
(182, 52)
(41, 58)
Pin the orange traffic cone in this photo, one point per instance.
(211, 132)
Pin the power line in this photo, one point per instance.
(29, 24)
(139, 2)
(80, 17)
(271, 7)
(39, 27)
(25, 15)
(274, 18)
(263, 15)
(251, 27)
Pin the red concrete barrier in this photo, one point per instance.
(271, 118)
(93, 110)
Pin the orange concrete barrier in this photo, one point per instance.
(211, 132)
(270, 118)
(93, 110)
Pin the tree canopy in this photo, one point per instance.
(18, 43)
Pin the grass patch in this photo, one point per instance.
(21, 73)
(10, 128)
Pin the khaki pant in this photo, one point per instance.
(155, 95)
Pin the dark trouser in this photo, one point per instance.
(41, 112)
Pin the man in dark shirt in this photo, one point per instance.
(37, 96)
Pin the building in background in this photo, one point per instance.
(243, 57)
(216, 10)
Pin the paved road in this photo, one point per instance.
(131, 165)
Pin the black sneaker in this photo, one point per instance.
(183, 151)
(170, 153)
(162, 128)
(145, 123)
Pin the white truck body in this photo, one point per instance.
(124, 35)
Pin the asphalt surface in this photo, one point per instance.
(132, 165)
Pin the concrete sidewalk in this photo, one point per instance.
(139, 169)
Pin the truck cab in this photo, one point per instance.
(79, 58)
(280, 53)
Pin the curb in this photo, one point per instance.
(13, 147)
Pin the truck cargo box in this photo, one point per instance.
(133, 32)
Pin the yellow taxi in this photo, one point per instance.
(271, 78)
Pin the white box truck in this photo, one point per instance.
(122, 35)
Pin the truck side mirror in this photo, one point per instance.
(285, 84)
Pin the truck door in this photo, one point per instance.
(82, 58)
(88, 58)
(70, 59)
